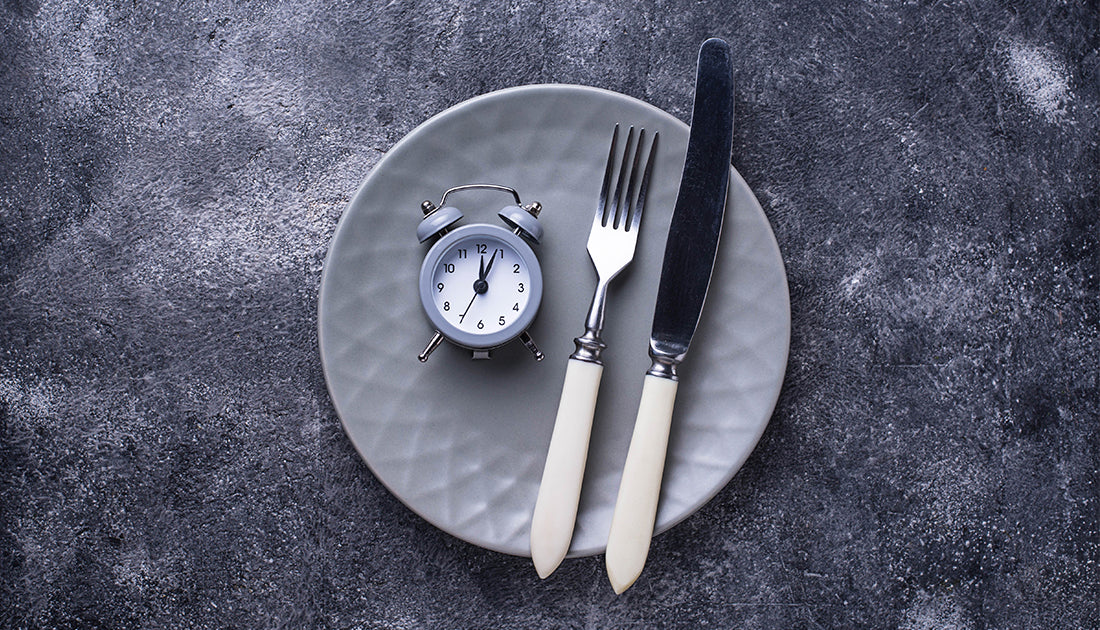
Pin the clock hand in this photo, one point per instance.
(463, 315)
(490, 266)
(480, 285)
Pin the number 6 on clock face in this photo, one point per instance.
(481, 285)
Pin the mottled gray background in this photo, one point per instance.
(171, 174)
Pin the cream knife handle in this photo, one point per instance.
(636, 505)
(560, 490)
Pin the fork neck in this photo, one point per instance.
(589, 345)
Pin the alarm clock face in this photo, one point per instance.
(481, 285)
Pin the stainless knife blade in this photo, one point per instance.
(685, 276)
(700, 205)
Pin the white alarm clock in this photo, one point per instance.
(480, 284)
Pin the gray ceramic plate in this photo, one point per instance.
(462, 442)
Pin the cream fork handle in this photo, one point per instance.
(559, 493)
(636, 505)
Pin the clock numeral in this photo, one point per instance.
(515, 307)
(446, 306)
(501, 320)
(515, 268)
(440, 287)
(449, 267)
(462, 253)
(521, 289)
(480, 324)
(481, 248)
(499, 252)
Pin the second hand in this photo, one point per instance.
(463, 315)
(480, 286)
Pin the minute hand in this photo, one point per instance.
(485, 273)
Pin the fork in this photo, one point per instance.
(611, 244)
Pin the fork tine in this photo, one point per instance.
(640, 204)
(618, 200)
(631, 188)
(606, 187)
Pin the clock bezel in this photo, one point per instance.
(462, 337)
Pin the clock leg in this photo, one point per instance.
(432, 345)
(529, 343)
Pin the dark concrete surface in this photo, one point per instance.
(171, 174)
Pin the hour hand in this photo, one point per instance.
(480, 285)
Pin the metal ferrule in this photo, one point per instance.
(589, 347)
(665, 363)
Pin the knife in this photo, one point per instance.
(688, 262)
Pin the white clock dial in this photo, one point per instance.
(481, 285)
